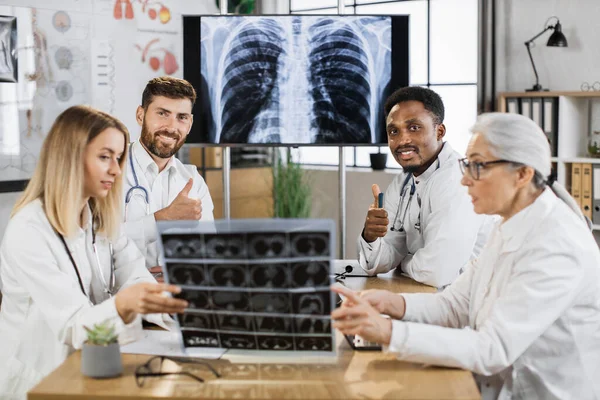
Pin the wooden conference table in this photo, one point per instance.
(354, 374)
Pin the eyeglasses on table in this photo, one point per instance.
(153, 369)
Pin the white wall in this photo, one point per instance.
(274, 6)
(130, 72)
(558, 68)
(94, 22)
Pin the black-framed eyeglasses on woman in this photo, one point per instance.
(475, 167)
(153, 369)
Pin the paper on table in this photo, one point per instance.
(166, 343)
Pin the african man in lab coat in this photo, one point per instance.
(524, 316)
(427, 226)
(159, 187)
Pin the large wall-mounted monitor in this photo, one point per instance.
(294, 79)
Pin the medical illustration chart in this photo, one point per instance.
(253, 285)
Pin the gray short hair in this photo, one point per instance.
(516, 138)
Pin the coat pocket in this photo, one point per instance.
(16, 379)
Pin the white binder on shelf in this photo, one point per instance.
(512, 105)
(536, 111)
(550, 122)
(526, 106)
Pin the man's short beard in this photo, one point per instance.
(151, 145)
(411, 168)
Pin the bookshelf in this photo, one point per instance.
(571, 128)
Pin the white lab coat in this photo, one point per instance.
(162, 189)
(452, 233)
(529, 306)
(43, 310)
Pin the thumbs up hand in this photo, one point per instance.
(183, 207)
(376, 223)
(376, 191)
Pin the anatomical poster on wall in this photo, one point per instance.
(8, 49)
(54, 70)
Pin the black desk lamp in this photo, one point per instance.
(557, 39)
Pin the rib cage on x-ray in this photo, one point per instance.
(249, 96)
(254, 290)
(339, 77)
(299, 79)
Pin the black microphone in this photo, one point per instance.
(347, 270)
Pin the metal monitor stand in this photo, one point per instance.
(342, 178)
(341, 164)
(226, 154)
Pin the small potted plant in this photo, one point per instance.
(101, 355)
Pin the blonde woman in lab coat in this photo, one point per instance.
(524, 316)
(56, 270)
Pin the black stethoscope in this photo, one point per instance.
(413, 189)
(109, 287)
(403, 190)
(131, 192)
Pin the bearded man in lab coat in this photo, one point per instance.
(427, 226)
(159, 187)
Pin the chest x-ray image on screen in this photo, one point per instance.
(301, 79)
(252, 284)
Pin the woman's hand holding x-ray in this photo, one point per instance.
(357, 317)
(148, 298)
(376, 224)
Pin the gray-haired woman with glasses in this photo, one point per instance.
(524, 316)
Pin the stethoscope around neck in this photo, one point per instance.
(403, 190)
(413, 189)
(136, 189)
(109, 287)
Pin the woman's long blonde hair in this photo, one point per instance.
(58, 179)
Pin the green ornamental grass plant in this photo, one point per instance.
(291, 189)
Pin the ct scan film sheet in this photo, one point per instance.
(260, 284)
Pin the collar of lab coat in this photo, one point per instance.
(445, 154)
(146, 162)
(515, 230)
(427, 174)
(87, 221)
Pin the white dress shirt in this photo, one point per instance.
(43, 310)
(449, 235)
(162, 189)
(529, 306)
